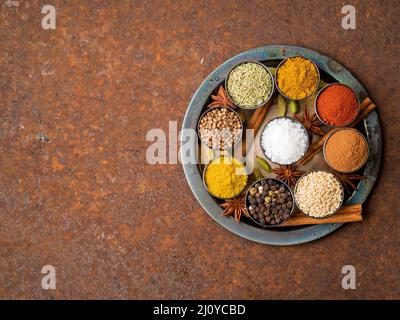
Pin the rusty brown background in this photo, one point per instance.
(76, 192)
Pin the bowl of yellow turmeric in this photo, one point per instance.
(225, 177)
(297, 78)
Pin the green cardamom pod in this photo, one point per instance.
(294, 106)
(272, 70)
(257, 174)
(281, 106)
(263, 164)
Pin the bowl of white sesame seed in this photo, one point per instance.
(319, 194)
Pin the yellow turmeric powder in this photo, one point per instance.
(225, 177)
(297, 78)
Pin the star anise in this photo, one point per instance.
(348, 180)
(235, 207)
(221, 99)
(311, 122)
(288, 174)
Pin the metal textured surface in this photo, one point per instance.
(293, 235)
(76, 191)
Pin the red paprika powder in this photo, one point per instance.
(337, 105)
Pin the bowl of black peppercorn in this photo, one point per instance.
(270, 202)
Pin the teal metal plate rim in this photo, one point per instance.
(295, 235)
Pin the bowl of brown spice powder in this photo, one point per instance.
(346, 150)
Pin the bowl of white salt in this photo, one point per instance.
(284, 140)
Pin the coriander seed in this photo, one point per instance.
(220, 128)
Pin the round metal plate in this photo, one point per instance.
(293, 235)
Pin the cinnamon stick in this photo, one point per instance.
(310, 154)
(255, 117)
(366, 102)
(366, 107)
(364, 113)
(260, 119)
(350, 213)
(315, 148)
(255, 123)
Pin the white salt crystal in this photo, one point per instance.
(284, 141)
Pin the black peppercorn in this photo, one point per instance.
(271, 203)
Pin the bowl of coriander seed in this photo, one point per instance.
(220, 128)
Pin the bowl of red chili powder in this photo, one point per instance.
(337, 105)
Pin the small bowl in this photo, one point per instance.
(342, 194)
(293, 120)
(316, 105)
(205, 185)
(262, 103)
(276, 78)
(241, 129)
(324, 150)
(248, 204)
